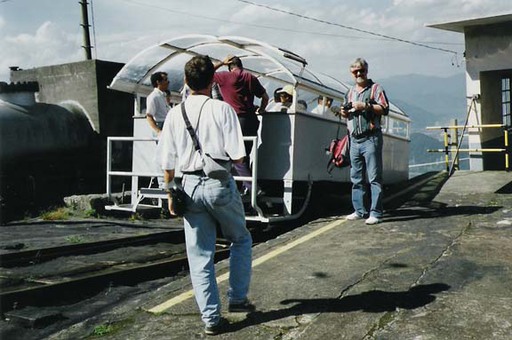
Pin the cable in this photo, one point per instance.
(347, 27)
(135, 2)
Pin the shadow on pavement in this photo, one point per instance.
(435, 211)
(375, 301)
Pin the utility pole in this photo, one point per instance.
(85, 26)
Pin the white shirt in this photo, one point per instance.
(219, 134)
(319, 109)
(278, 107)
(157, 105)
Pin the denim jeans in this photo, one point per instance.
(366, 153)
(213, 202)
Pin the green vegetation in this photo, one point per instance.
(108, 328)
(102, 330)
(56, 215)
(75, 239)
(66, 213)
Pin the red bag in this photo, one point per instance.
(339, 150)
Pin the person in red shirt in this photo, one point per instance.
(238, 88)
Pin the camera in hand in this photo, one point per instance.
(347, 106)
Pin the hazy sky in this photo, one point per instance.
(47, 32)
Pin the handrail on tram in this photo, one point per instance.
(161, 194)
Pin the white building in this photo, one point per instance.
(488, 58)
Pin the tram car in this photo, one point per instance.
(289, 152)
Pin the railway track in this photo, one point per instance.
(53, 275)
(49, 272)
(64, 274)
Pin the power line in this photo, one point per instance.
(347, 27)
(135, 2)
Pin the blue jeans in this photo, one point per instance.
(213, 202)
(366, 154)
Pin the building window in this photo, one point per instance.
(505, 101)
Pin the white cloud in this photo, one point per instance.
(49, 45)
(124, 28)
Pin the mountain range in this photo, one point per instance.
(428, 101)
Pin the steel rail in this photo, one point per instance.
(29, 257)
(69, 291)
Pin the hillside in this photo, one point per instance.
(428, 100)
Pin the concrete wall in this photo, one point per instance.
(488, 59)
(81, 87)
(85, 83)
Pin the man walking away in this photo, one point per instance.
(210, 201)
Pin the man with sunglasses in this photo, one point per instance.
(365, 103)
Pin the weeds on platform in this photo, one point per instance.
(102, 330)
(56, 215)
(75, 239)
(108, 328)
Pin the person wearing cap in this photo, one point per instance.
(238, 88)
(285, 99)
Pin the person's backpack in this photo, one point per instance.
(339, 150)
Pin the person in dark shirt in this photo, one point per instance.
(238, 88)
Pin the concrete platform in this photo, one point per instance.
(436, 269)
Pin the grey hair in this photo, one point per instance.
(359, 62)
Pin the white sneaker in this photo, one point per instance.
(373, 220)
(354, 216)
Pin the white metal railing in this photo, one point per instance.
(411, 166)
(136, 197)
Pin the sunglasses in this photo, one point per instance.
(361, 70)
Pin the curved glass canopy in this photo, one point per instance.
(275, 67)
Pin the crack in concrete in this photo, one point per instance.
(370, 271)
(389, 317)
(445, 252)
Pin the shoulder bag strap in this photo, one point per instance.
(191, 130)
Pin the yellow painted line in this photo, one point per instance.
(187, 295)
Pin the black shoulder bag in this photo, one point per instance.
(179, 200)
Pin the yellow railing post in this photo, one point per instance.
(507, 150)
(455, 138)
(446, 149)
